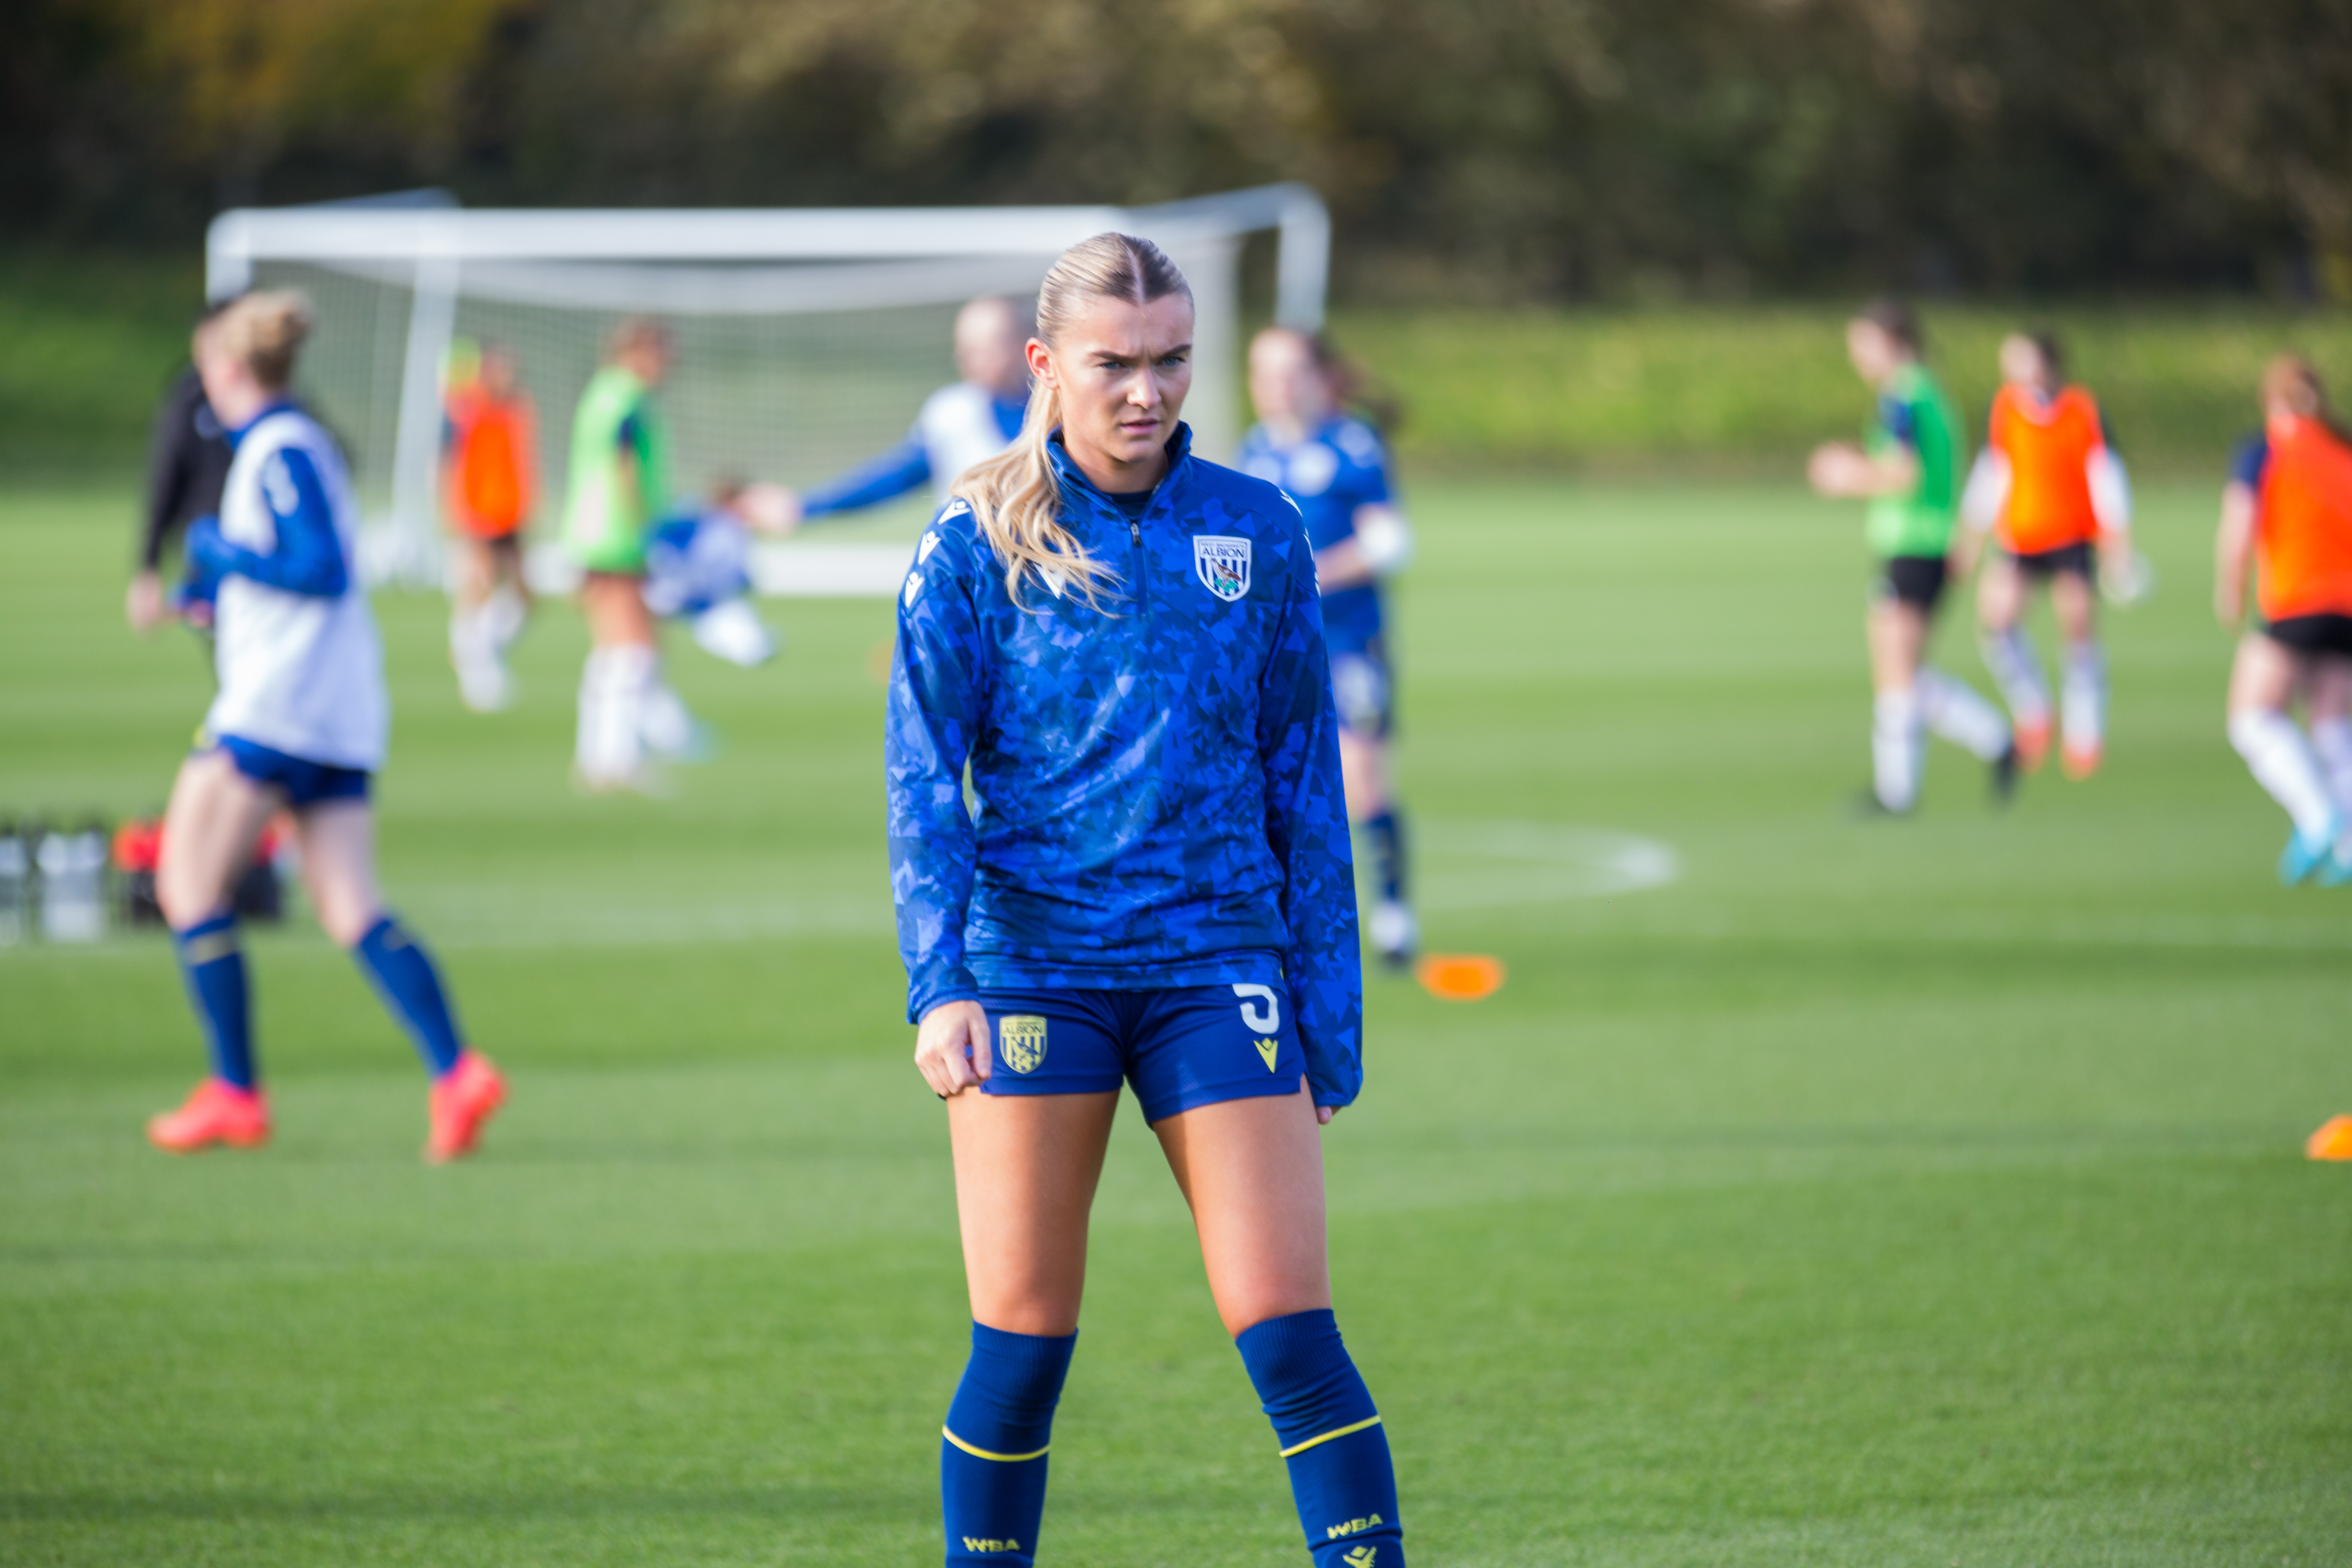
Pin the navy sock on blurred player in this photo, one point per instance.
(212, 963)
(992, 1449)
(411, 990)
(1340, 1475)
(1386, 831)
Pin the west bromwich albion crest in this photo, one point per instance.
(1021, 1041)
(1223, 564)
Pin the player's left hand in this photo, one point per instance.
(2126, 578)
(1323, 1114)
(144, 605)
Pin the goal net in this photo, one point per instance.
(805, 339)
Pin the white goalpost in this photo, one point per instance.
(807, 336)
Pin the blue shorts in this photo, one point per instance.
(1181, 1049)
(1362, 690)
(304, 782)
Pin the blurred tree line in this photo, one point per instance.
(1476, 150)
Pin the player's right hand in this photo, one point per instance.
(1838, 470)
(770, 509)
(952, 1047)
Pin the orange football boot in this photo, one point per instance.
(217, 1112)
(2333, 1141)
(463, 1103)
(2032, 742)
(2081, 761)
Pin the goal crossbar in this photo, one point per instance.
(720, 262)
(239, 238)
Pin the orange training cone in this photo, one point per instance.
(2333, 1141)
(1460, 976)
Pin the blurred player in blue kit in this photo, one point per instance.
(959, 427)
(1124, 646)
(299, 725)
(698, 569)
(1334, 466)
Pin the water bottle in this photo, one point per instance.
(73, 885)
(16, 887)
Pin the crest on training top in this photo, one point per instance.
(1021, 1041)
(1223, 563)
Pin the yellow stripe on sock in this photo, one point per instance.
(210, 947)
(1017, 1458)
(1302, 1447)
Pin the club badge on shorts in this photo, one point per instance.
(1223, 564)
(1020, 1042)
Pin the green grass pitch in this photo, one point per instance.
(1921, 1192)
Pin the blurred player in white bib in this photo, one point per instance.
(299, 725)
(1334, 469)
(959, 426)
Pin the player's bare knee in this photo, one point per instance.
(346, 921)
(184, 898)
(1047, 1314)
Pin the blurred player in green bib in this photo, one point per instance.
(1908, 469)
(619, 489)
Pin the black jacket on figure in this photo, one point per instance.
(187, 463)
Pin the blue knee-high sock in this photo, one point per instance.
(1331, 1438)
(213, 964)
(1388, 852)
(404, 979)
(993, 1454)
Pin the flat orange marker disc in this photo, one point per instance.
(1460, 976)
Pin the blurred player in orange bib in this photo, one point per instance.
(490, 435)
(2288, 510)
(2050, 489)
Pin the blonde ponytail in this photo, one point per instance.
(265, 328)
(1014, 497)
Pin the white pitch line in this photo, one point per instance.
(1486, 864)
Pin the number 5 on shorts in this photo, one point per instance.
(1264, 1021)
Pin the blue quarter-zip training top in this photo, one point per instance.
(1156, 781)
